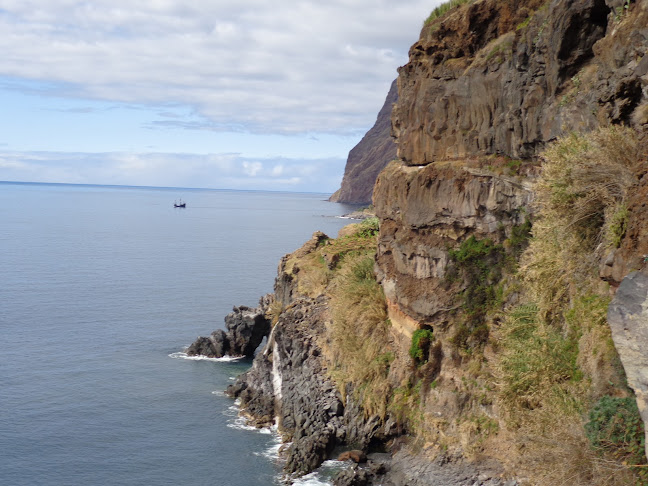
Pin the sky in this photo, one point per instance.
(238, 94)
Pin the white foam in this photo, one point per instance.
(183, 355)
(276, 372)
(241, 423)
(312, 479)
(321, 477)
(271, 452)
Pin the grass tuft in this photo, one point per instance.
(444, 8)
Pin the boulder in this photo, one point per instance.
(356, 456)
(628, 320)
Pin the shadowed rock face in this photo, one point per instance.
(628, 319)
(369, 157)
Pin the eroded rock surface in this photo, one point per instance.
(425, 211)
(246, 328)
(508, 77)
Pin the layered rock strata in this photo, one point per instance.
(425, 211)
(486, 89)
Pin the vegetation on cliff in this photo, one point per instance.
(538, 383)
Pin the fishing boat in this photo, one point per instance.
(179, 204)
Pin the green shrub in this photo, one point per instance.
(615, 427)
(618, 225)
(421, 341)
(368, 228)
(519, 238)
(479, 263)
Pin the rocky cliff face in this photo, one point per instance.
(425, 211)
(291, 385)
(487, 88)
(369, 157)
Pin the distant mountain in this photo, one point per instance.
(369, 157)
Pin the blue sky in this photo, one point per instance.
(220, 93)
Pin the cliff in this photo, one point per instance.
(368, 157)
(466, 336)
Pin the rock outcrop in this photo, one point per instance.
(288, 384)
(628, 319)
(504, 77)
(368, 157)
(246, 329)
(486, 89)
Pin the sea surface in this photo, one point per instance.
(101, 288)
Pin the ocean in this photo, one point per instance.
(101, 288)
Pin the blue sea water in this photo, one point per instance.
(99, 287)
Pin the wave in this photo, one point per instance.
(241, 423)
(323, 476)
(183, 355)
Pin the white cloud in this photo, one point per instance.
(252, 168)
(173, 170)
(270, 67)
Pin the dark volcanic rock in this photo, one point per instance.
(287, 381)
(369, 157)
(214, 346)
(246, 328)
(404, 469)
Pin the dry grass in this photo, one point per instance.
(536, 368)
(559, 454)
(359, 334)
(581, 196)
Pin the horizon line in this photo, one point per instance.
(128, 186)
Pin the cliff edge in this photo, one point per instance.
(369, 157)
